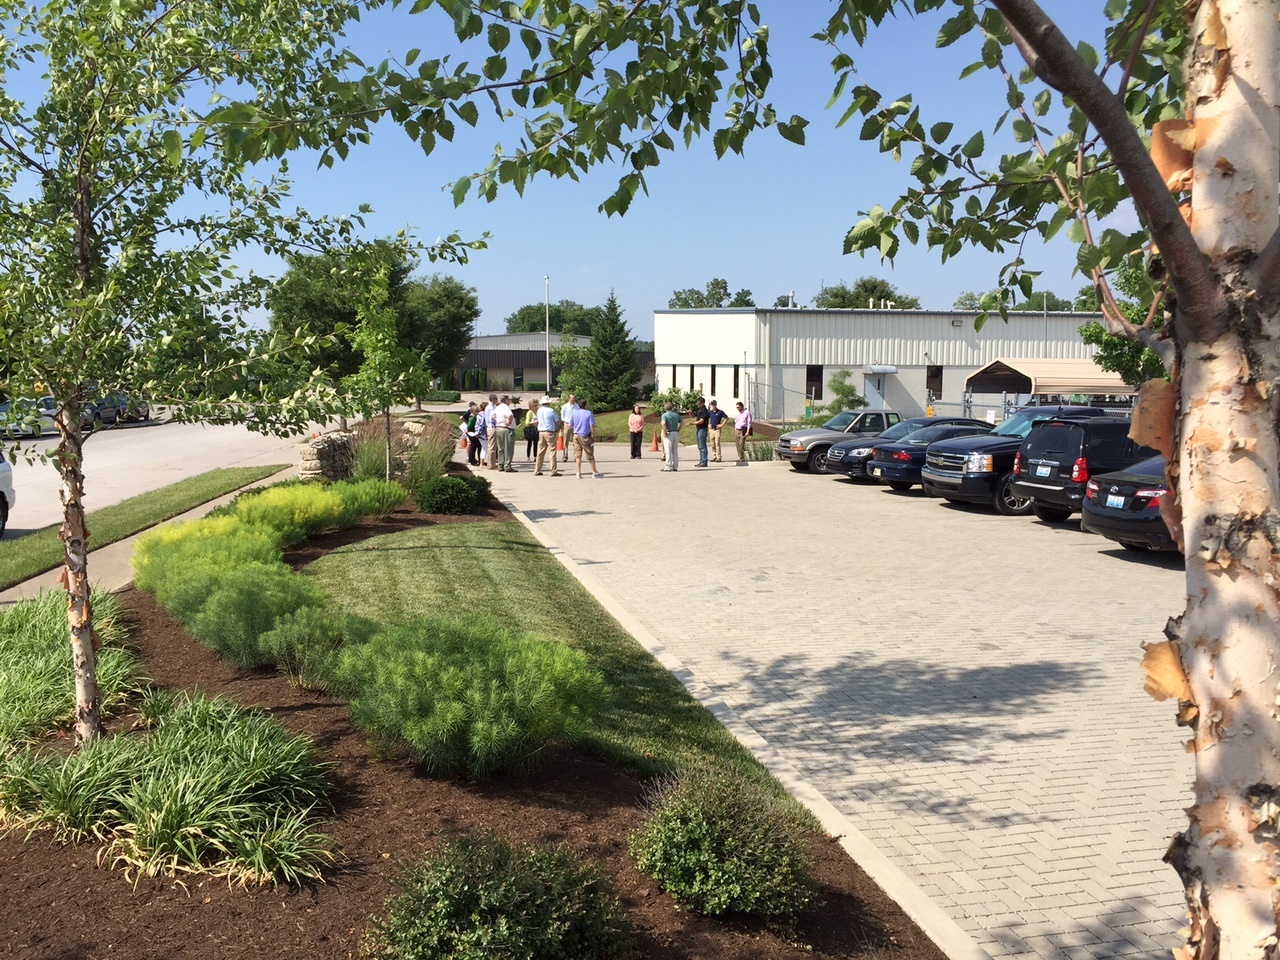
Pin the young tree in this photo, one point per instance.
(867, 292)
(844, 395)
(715, 296)
(437, 320)
(606, 372)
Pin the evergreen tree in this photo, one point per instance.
(606, 372)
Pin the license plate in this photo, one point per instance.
(1115, 500)
(876, 471)
(1042, 470)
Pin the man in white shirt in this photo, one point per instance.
(491, 428)
(566, 415)
(548, 424)
(504, 420)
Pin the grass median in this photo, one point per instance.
(499, 571)
(23, 557)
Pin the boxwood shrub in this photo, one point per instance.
(447, 495)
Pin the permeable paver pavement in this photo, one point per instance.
(964, 688)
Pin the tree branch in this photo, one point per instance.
(1056, 62)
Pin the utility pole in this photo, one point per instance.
(547, 280)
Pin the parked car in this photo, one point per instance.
(1057, 458)
(122, 408)
(6, 493)
(1125, 506)
(27, 418)
(898, 464)
(807, 449)
(850, 457)
(980, 469)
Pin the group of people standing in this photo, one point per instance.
(491, 429)
(491, 441)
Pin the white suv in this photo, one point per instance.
(6, 493)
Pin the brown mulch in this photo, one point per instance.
(57, 904)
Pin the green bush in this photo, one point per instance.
(718, 843)
(245, 603)
(302, 644)
(211, 786)
(535, 386)
(37, 688)
(463, 696)
(439, 396)
(483, 900)
(447, 495)
(482, 487)
(160, 553)
(294, 510)
(367, 498)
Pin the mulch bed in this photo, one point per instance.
(58, 904)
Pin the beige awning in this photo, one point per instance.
(1047, 378)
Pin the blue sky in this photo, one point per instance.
(772, 221)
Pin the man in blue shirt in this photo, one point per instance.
(548, 423)
(583, 423)
(715, 420)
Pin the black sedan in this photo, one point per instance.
(1125, 506)
(850, 457)
(898, 464)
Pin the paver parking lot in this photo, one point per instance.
(964, 688)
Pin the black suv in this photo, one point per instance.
(1055, 462)
(980, 469)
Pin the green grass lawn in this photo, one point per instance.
(499, 570)
(24, 557)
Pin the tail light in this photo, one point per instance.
(1017, 464)
(1080, 470)
(1091, 490)
(1152, 495)
(902, 455)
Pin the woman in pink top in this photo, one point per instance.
(636, 424)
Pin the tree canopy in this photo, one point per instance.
(567, 316)
(714, 296)
(606, 372)
(866, 293)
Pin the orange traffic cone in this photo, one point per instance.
(560, 443)
(654, 446)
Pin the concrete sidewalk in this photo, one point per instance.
(964, 690)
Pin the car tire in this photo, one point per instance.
(818, 460)
(1007, 502)
(4, 515)
(800, 464)
(899, 485)
(1049, 514)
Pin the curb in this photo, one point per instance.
(932, 920)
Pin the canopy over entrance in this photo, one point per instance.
(1047, 377)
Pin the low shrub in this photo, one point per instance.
(367, 498)
(482, 899)
(439, 396)
(468, 696)
(294, 510)
(211, 787)
(719, 843)
(482, 487)
(302, 644)
(447, 495)
(244, 604)
(37, 689)
(161, 552)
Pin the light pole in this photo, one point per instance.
(547, 281)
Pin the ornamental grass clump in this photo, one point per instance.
(367, 498)
(721, 843)
(210, 787)
(294, 511)
(303, 644)
(447, 495)
(468, 697)
(37, 689)
(483, 899)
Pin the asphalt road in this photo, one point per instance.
(128, 459)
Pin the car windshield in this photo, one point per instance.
(840, 420)
(927, 435)
(1020, 424)
(900, 430)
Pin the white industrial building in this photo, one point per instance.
(774, 359)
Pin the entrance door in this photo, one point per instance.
(873, 390)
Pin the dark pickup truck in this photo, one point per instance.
(980, 469)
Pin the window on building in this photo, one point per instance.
(813, 381)
(933, 380)
(713, 379)
(673, 376)
(691, 387)
(517, 377)
(736, 391)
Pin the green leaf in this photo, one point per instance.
(793, 130)
(1042, 102)
(974, 146)
(499, 37)
(1023, 132)
(460, 188)
(172, 141)
(940, 131)
(954, 29)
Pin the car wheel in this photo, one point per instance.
(4, 515)
(899, 485)
(1007, 501)
(800, 464)
(818, 461)
(1050, 514)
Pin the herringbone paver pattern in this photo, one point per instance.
(964, 687)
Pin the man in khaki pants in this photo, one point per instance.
(547, 431)
(566, 419)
